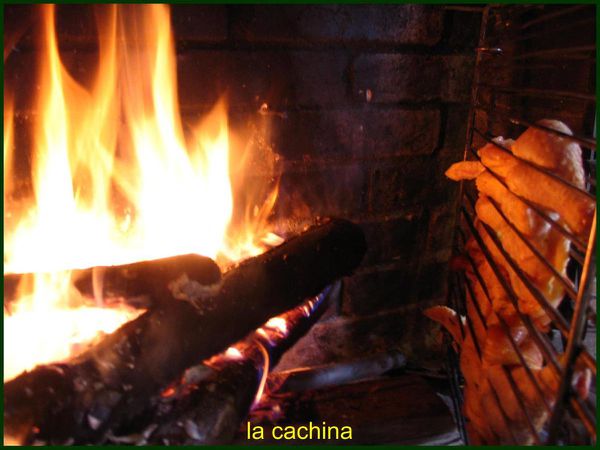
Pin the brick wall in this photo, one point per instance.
(367, 107)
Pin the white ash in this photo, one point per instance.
(192, 291)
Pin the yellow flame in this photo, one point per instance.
(115, 180)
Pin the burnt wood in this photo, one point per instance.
(317, 377)
(81, 400)
(210, 411)
(150, 279)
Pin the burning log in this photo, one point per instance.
(210, 403)
(83, 399)
(154, 278)
(159, 279)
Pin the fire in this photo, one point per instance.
(115, 179)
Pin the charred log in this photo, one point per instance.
(82, 400)
(158, 279)
(141, 281)
(210, 409)
(306, 378)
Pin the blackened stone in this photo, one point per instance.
(326, 191)
(277, 79)
(394, 77)
(199, 23)
(379, 290)
(342, 24)
(409, 181)
(392, 240)
(352, 134)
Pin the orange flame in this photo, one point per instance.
(115, 180)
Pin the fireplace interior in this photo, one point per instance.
(349, 117)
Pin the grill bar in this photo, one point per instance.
(564, 53)
(517, 43)
(480, 357)
(582, 410)
(516, 391)
(554, 30)
(550, 16)
(480, 315)
(542, 340)
(587, 142)
(514, 345)
(534, 166)
(574, 346)
(549, 309)
(567, 284)
(458, 308)
(507, 373)
(453, 369)
(553, 223)
(577, 256)
(557, 318)
(544, 345)
(541, 93)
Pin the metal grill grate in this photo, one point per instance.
(535, 62)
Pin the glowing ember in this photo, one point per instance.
(277, 323)
(115, 180)
(233, 353)
(169, 392)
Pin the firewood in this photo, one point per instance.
(80, 400)
(156, 278)
(140, 282)
(305, 378)
(209, 404)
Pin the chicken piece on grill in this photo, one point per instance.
(465, 170)
(509, 391)
(511, 242)
(498, 348)
(575, 208)
(558, 154)
(552, 246)
(555, 155)
(505, 403)
(525, 219)
(496, 156)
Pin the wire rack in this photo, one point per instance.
(535, 62)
